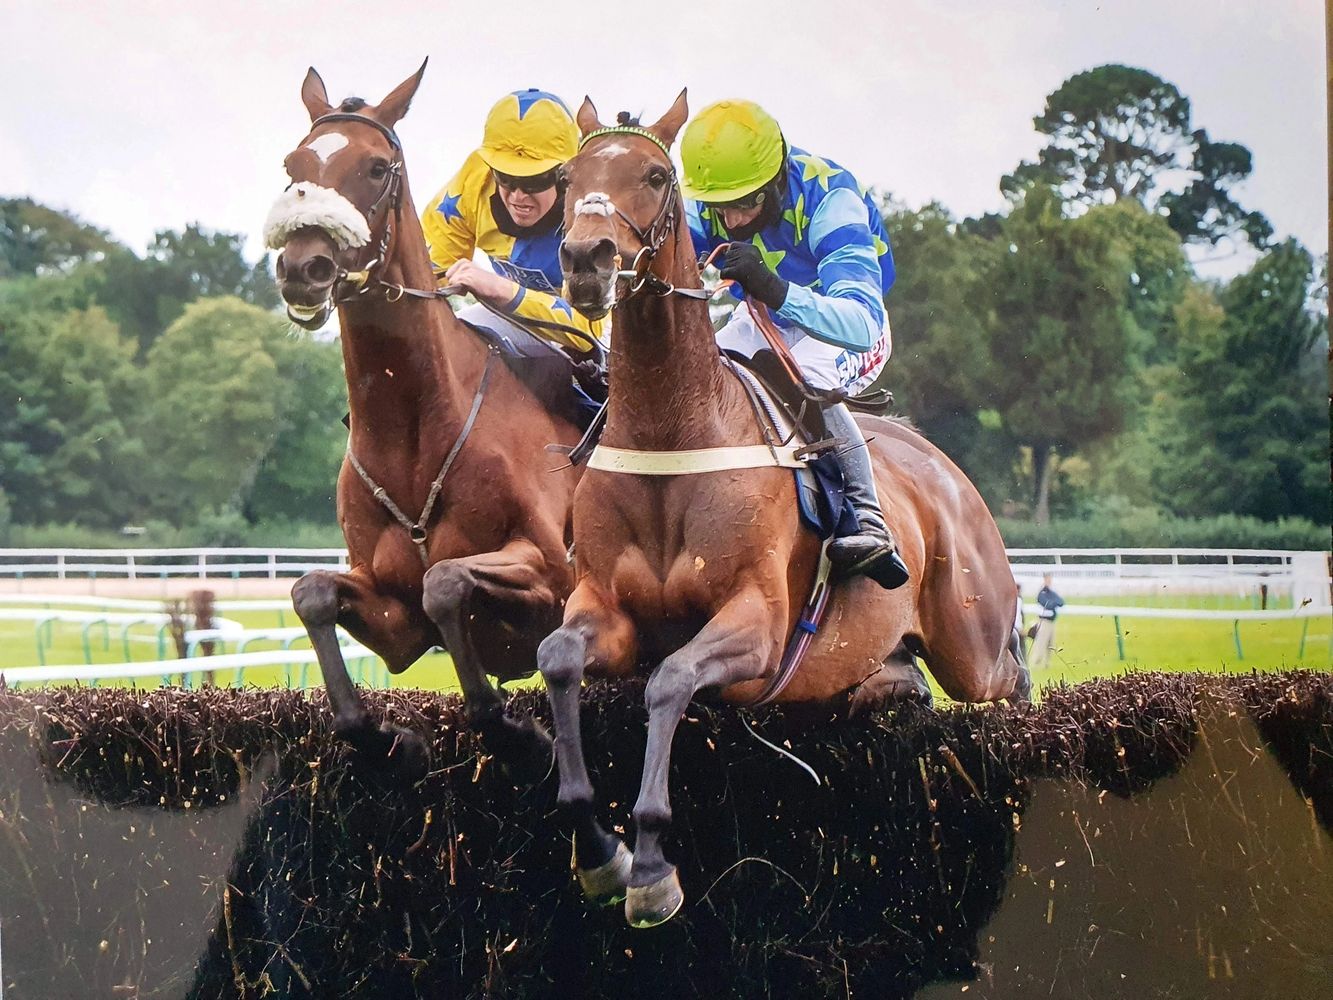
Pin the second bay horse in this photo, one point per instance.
(698, 579)
(456, 519)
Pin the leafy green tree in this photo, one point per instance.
(941, 372)
(1117, 133)
(145, 295)
(68, 395)
(297, 477)
(35, 239)
(1062, 344)
(215, 392)
(1249, 433)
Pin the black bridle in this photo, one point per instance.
(360, 279)
(654, 236)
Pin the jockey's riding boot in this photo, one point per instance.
(871, 551)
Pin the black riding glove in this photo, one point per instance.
(744, 265)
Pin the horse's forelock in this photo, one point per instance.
(350, 104)
(625, 118)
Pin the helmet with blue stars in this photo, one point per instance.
(730, 149)
(528, 132)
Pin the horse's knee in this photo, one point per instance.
(562, 657)
(445, 588)
(315, 598)
(972, 690)
(669, 689)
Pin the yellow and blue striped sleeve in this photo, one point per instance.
(552, 318)
(849, 312)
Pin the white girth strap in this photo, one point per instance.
(685, 463)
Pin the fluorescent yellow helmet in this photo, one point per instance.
(528, 132)
(730, 149)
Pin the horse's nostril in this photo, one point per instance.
(587, 255)
(320, 270)
(281, 267)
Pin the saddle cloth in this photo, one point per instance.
(819, 486)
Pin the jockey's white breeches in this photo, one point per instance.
(825, 366)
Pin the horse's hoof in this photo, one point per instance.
(408, 756)
(650, 905)
(392, 751)
(521, 744)
(606, 884)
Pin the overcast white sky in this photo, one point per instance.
(140, 116)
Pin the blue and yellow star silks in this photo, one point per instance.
(816, 168)
(459, 220)
(448, 207)
(829, 244)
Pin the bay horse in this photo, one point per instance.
(456, 524)
(698, 579)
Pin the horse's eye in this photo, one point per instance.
(378, 169)
(657, 178)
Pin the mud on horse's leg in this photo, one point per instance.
(512, 577)
(318, 598)
(733, 647)
(600, 858)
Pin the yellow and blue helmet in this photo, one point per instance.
(528, 132)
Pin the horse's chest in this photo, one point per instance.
(673, 590)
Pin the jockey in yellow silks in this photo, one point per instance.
(805, 239)
(508, 202)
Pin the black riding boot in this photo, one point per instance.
(871, 551)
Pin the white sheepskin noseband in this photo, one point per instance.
(306, 204)
(595, 203)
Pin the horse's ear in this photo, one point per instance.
(587, 117)
(669, 125)
(393, 107)
(314, 96)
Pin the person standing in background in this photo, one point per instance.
(1043, 643)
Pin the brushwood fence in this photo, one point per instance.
(1159, 835)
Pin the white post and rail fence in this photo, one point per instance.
(1240, 584)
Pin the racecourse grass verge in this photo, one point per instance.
(1086, 649)
(320, 878)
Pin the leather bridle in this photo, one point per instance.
(359, 281)
(652, 237)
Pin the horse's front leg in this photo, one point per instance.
(599, 637)
(323, 600)
(736, 645)
(517, 581)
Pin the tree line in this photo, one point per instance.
(1063, 351)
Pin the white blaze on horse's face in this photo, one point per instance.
(326, 145)
(306, 204)
(611, 150)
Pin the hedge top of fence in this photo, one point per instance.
(879, 878)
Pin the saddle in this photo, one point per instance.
(571, 389)
(792, 415)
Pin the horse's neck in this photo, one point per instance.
(408, 362)
(667, 389)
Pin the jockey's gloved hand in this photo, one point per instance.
(744, 265)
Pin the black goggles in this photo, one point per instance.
(535, 184)
(744, 204)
